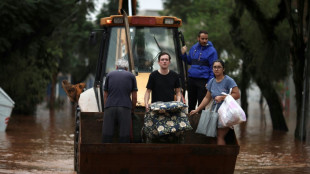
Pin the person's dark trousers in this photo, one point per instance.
(113, 115)
(196, 91)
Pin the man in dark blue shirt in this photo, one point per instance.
(119, 86)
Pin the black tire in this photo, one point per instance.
(76, 139)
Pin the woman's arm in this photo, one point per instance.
(235, 93)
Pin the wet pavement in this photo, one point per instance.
(44, 144)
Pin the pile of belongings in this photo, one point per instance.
(166, 119)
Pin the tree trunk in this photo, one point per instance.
(298, 81)
(245, 79)
(53, 92)
(235, 34)
(274, 104)
(266, 86)
(298, 26)
(306, 104)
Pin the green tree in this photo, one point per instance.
(70, 43)
(258, 47)
(31, 47)
(262, 38)
(212, 16)
(107, 9)
(297, 13)
(111, 8)
(174, 7)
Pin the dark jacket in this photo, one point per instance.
(201, 59)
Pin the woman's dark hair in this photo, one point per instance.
(163, 53)
(221, 61)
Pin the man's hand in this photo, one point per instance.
(147, 109)
(183, 49)
(146, 99)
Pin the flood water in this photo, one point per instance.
(43, 143)
(38, 144)
(264, 151)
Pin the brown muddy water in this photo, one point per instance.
(43, 143)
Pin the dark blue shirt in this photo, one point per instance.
(119, 84)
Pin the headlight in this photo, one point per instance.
(118, 20)
(168, 21)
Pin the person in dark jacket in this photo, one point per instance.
(200, 57)
(119, 86)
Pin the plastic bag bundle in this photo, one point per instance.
(230, 112)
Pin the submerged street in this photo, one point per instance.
(57, 50)
(43, 143)
(38, 144)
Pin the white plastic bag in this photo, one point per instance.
(230, 112)
(88, 102)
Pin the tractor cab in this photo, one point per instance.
(148, 36)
